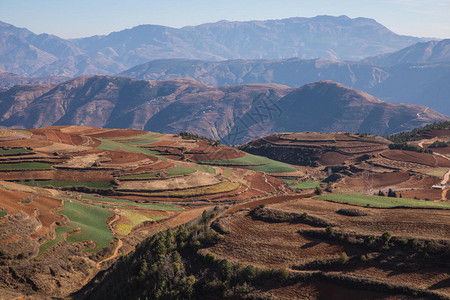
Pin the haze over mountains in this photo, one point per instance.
(25, 53)
(234, 114)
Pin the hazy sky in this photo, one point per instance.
(80, 18)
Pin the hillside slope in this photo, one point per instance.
(234, 114)
(421, 84)
(427, 52)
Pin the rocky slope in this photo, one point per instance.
(234, 114)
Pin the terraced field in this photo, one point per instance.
(25, 166)
(379, 201)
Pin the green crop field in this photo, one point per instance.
(113, 145)
(131, 203)
(52, 183)
(253, 162)
(383, 202)
(25, 166)
(289, 180)
(14, 151)
(132, 219)
(172, 172)
(247, 160)
(199, 191)
(306, 185)
(59, 232)
(92, 221)
(3, 213)
(274, 166)
(205, 168)
(146, 138)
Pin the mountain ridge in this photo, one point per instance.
(28, 54)
(180, 105)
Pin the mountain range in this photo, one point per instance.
(416, 75)
(25, 53)
(233, 114)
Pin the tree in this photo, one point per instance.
(391, 193)
(380, 193)
(386, 237)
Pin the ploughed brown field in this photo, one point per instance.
(74, 199)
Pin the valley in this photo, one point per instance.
(77, 198)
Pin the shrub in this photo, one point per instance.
(344, 258)
(318, 191)
(210, 258)
(249, 273)
(386, 237)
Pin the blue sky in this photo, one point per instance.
(80, 18)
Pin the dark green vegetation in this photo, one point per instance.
(62, 184)
(25, 166)
(173, 172)
(415, 134)
(439, 144)
(382, 202)
(3, 213)
(14, 151)
(168, 266)
(305, 157)
(407, 147)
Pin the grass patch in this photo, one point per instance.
(306, 185)
(383, 202)
(205, 168)
(52, 183)
(131, 219)
(132, 203)
(274, 166)
(172, 172)
(438, 172)
(25, 166)
(23, 131)
(59, 232)
(3, 213)
(110, 145)
(14, 151)
(247, 160)
(289, 180)
(92, 221)
(207, 190)
(253, 162)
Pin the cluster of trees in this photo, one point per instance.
(169, 266)
(390, 193)
(405, 146)
(439, 144)
(301, 156)
(413, 135)
(193, 136)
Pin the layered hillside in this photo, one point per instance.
(233, 114)
(422, 84)
(74, 199)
